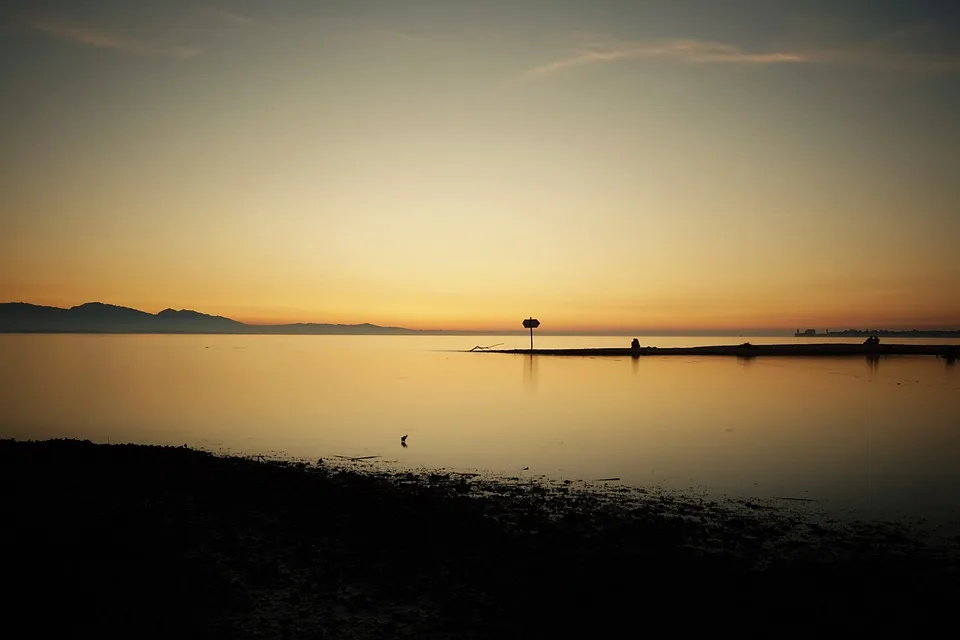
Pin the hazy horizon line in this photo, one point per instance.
(560, 331)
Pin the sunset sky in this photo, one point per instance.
(598, 164)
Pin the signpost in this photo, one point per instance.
(531, 323)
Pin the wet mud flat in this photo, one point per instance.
(139, 541)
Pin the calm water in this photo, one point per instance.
(876, 437)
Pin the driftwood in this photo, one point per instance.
(480, 348)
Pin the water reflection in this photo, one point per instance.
(816, 427)
(873, 362)
(530, 372)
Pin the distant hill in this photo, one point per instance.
(97, 317)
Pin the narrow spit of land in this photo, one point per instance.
(137, 541)
(746, 350)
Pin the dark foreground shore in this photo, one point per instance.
(136, 541)
(747, 350)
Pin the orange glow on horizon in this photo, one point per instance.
(454, 189)
(555, 320)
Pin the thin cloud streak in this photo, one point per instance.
(701, 52)
(228, 16)
(692, 51)
(104, 40)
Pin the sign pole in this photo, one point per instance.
(531, 323)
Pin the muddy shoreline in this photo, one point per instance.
(142, 541)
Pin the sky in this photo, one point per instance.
(598, 164)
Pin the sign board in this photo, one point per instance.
(531, 323)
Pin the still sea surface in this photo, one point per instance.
(871, 437)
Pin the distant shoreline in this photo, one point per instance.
(270, 331)
(747, 350)
(352, 330)
(863, 333)
(100, 318)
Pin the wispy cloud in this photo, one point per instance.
(693, 51)
(226, 15)
(114, 40)
(874, 55)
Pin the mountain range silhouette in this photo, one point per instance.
(97, 317)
